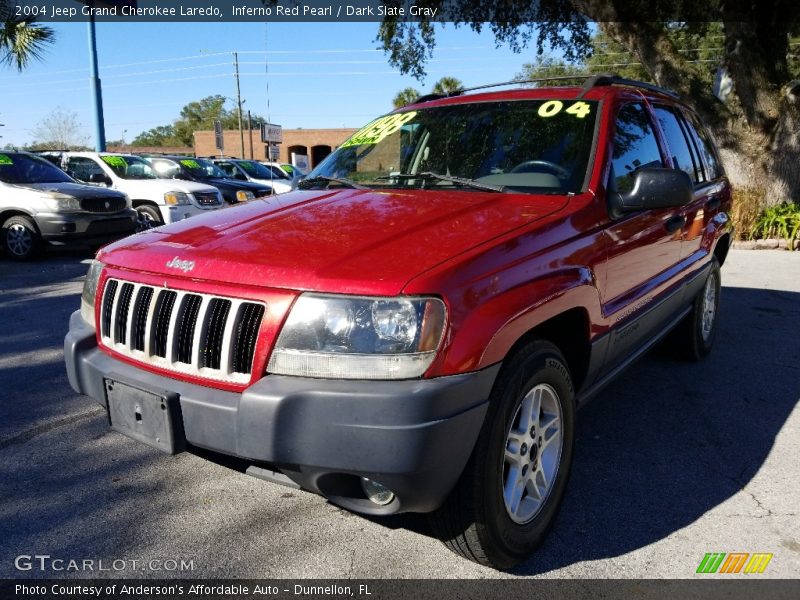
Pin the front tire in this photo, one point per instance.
(510, 492)
(21, 239)
(148, 217)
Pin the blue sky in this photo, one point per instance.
(321, 74)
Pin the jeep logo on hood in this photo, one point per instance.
(183, 265)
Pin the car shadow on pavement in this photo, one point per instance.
(669, 441)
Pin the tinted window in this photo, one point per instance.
(82, 168)
(635, 146)
(707, 147)
(22, 168)
(165, 168)
(683, 155)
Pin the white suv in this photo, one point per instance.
(156, 200)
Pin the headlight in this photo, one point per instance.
(244, 195)
(176, 198)
(90, 291)
(63, 203)
(346, 337)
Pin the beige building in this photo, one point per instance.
(314, 143)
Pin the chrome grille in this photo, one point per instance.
(196, 334)
(206, 198)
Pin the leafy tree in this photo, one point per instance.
(405, 96)
(195, 116)
(60, 130)
(758, 127)
(548, 66)
(22, 40)
(447, 85)
(163, 135)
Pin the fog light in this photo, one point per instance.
(377, 493)
(68, 228)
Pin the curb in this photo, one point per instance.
(770, 244)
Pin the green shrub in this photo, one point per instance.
(779, 221)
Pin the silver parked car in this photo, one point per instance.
(41, 204)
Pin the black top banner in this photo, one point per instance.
(388, 589)
(459, 11)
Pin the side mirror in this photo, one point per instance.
(654, 188)
(99, 178)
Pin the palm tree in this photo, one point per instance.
(22, 40)
(406, 96)
(447, 85)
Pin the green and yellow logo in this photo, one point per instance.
(734, 562)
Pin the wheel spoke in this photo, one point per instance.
(515, 486)
(532, 453)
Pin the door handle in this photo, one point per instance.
(675, 223)
(713, 203)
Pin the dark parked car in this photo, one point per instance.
(204, 171)
(39, 204)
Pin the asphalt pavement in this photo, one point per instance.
(673, 460)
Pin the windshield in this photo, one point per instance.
(259, 171)
(130, 167)
(539, 146)
(203, 169)
(22, 168)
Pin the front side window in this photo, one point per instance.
(536, 146)
(635, 146)
(22, 168)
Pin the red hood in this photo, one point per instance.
(344, 241)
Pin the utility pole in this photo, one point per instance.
(250, 132)
(239, 103)
(97, 90)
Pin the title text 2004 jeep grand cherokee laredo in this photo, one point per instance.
(413, 329)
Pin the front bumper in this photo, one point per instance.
(85, 228)
(178, 212)
(414, 436)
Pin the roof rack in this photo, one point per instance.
(590, 80)
(600, 79)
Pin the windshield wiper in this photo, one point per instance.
(488, 187)
(325, 179)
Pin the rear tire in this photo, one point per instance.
(509, 494)
(694, 337)
(21, 239)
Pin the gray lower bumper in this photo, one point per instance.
(414, 436)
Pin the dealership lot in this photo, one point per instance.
(673, 460)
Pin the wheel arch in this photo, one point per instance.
(722, 247)
(563, 318)
(17, 212)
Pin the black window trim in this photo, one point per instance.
(698, 165)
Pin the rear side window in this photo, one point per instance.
(635, 146)
(707, 147)
(684, 156)
(82, 168)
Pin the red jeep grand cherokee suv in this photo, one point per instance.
(413, 329)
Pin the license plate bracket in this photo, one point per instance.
(151, 418)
